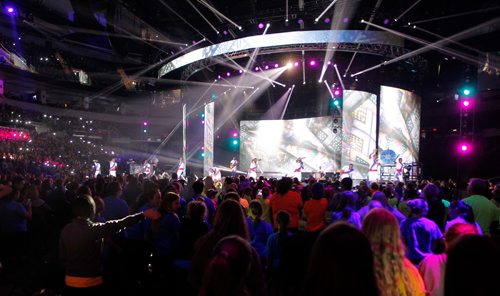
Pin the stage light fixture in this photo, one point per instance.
(256, 68)
(466, 92)
(466, 103)
(228, 74)
(296, 64)
(10, 10)
(289, 65)
(261, 26)
(266, 67)
(276, 65)
(235, 142)
(312, 63)
(145, 123)
(464, 148)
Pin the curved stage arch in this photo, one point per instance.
(317, 40)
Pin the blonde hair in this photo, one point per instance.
(382, 230)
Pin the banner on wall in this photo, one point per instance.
(208, 160)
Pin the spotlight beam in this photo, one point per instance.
(184, 20)
(226, 118)
(328, 87)
(406, 11)
(338, 75)
(428, 45)
(215, 11)
(136, 75)
(236, 66)
(451, 41)
(372, 16)
(324, 11)
(286, 11)
(455, 15)
(303, 69)
(287, 101)
(204, 18)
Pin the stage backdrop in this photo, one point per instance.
(399, 131)
(208, 159)
(278, 143)
(359, 130)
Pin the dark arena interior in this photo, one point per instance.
(249, 147)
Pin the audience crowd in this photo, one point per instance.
(138, 235)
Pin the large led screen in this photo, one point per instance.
(359, 131)
(278, 143)
(399, 131)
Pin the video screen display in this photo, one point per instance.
(278, 143)
(359, 129)
(399, 131)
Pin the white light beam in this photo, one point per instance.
(324, 11)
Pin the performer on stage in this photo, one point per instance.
(112, 167)
(146, 168)
(97, 168)
(233, 165)
(299, 166)
(373, 172)
(346, 171)
(215, 174)
(252, 172)
(399, 170)
(181, 169)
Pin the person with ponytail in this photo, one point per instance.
(258, 229)
(395, 275)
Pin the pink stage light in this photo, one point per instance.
(464, 148)
(256, 69)
(235, 134)
(276, 65)
(266, 67)
(296, 64)
(261, 26)
(228, 74)
(336, 92)
(145, 123)
(312, 63)
(466, 103)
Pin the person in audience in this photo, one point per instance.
(315, 209)
(229, 220)
(381, 197)
(198, 187)
(114, 207)
(343, 208)
(460, 212)
(276, 240)
(81, 243)
(229, 270)
(341, 263)
(264, 201)
(258, 229)
(193, 226)
(165, 233)
(395, 274)
(472, 267)
(437, 210)
(285, 199)
(432, 268)
(485, 212)
(420, 235)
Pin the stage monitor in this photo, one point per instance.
(399, 131)
(278, 143)
(359, 129)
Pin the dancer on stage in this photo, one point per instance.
(399, 170)
(97, 168)
(112, 167)
(215, 173)
(233, 165)
(346, 171)
(146, 168)
(299, 166)
(181, 169)
(373, 172)
(252, 172)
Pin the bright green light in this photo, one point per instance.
(235, 142)
(466, 92)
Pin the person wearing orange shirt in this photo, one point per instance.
(288, 200)
(315, 208)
